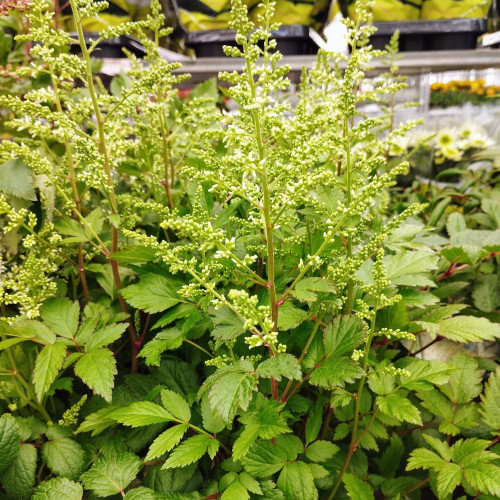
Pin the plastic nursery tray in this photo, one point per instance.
(111, 49)
(291, 40)
(441, 34)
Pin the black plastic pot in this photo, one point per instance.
(441, 34)
(291, 40)
(111, 49)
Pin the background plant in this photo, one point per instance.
(250, 255)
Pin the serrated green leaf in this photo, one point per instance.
(469, 329)
(314, 422)
(166, 441)
(231, 392)
(177, 312)
(153, 293)
(134, 255)
(58, 488)
(72, 229)
(97, 369)
(169, 481)
(235, 491)
(19, 477)
(343, 335)
(245, 440)
(105, 336)
(48, 364)
(176, 405)
(111, 474)
(437, 403)
(484, 478)
(9, 441)
(251, 484)
(140, 413)
(61, 316)
(296, 481)
(211, 420)
(281, 365)
(191, 450)
(425, 374)
(357, 489)
(16, 179)
(306, 289)
(486, 293)
(166, 340)
(398, 406)
(290, 316)
(422, 458)
(227, 324)
(490, 401)
(465, 382)
(98, 421)
(390, 460)
(64, 457)
(448, 478)
(321, 451)
(441, 447)
(335, 372)
(141, 493)
(410, 268)
(264, 459)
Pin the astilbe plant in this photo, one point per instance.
(290, 302)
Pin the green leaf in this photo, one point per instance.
(166, 340)
(296, 481)
(441, 447)
(281, 365)
(321, 451)
(141, 493)
(265, 421)
(111, 474)
(95, 220)
(484, 478)
(176, 405)
(227, 324)
(306, 289)
(437, 404)
(486, 293)
(250, 483)
(397, 405)
(105, 336)
(455, 223)
(314, 422)
(61, 316)
(166, 441)
(97, 369)
(19, 477)
(153, 293)
(357, 489)
(177, 312)
(490, 402)
(290, 316)
(140, 413)
(211, 420)
(16, 179)
(335, 372)
(343, 335)
(9, 441)
(64, 457)
(410, 268)
(469, 329)
(465, 382)
(448, 478)
(59, 488)
(235, 491)
(421, 458)
(47, 365)
(390, 460)
(425, 374)
(134, 255)
(231, 392)
(264, 459)
(73, 229)
(191, 450)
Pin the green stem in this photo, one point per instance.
(107, 170)
(198, 347)
(354, 437)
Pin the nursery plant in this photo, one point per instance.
(203, 304)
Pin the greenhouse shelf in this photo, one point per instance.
(411, 63)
